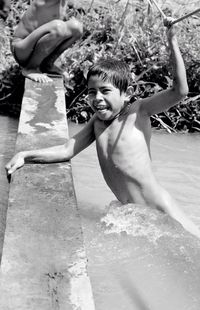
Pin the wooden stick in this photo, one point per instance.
(149, 2)
(185, 16)
(159, 9)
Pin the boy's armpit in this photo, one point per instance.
(84, 137)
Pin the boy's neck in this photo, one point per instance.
(123, 111)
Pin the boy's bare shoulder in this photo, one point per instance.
(93, 120)
(136, 106)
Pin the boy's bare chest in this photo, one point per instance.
(114, 137)
(122, 138)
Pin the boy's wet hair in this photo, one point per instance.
(116, 72)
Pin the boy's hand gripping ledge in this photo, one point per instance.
(15, 163)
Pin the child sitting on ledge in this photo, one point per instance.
(42, 36)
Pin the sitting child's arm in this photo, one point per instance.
(54, 154)
(165, 99)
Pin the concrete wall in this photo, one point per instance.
(44, 264)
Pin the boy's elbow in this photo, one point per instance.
(69, 149)
(181, 92)
(184, 90)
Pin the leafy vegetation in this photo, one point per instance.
(132, 31)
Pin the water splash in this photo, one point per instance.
(139, 220)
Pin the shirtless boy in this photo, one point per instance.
(122, 132)
(42, 36)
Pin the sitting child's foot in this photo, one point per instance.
(36, 76)
(54, 70)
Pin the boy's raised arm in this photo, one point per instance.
(165, 99)
(58, 153)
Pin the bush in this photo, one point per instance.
(135, 34)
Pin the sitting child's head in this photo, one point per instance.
(108, 88)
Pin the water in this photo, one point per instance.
(176, 164)
(8, 129)
(138, 259)
(139, 266)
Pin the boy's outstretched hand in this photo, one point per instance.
(15, 163)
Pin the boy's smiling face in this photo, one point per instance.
(104, 98)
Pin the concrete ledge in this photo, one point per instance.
(44, 265)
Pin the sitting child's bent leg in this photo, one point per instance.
(33, 74)
(45, 41)
(70, 31)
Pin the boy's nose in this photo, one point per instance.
(99, 96)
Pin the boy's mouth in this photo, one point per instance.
(100, 107)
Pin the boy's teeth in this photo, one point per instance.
(101, 107)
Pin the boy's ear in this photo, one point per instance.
(129, 92)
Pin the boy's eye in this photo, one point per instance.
(105, 91)
(94, 92)
(91, 92)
